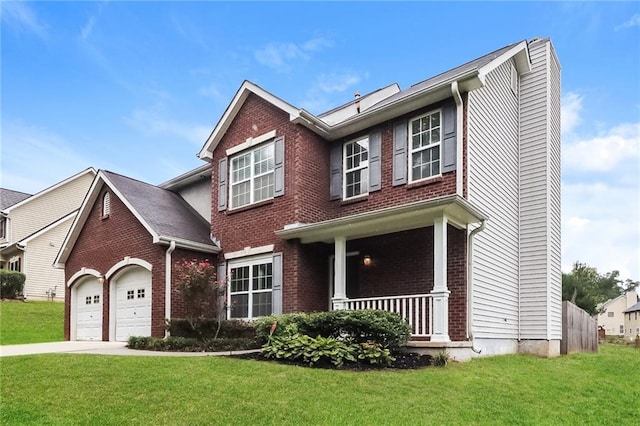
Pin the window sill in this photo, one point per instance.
(429, 181)
(104, 217)
(249, 207)
(354, 200)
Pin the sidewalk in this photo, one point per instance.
(97, 348)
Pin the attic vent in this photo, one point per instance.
(514, 79)
(106, 205)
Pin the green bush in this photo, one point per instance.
(384, 328)
(188, 344)
(11, 284)
(206, 328)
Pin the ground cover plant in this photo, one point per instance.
(93, 389)
(31, 322)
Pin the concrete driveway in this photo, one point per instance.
(100, 348)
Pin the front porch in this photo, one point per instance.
(412, 261)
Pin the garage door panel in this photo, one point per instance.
(88, 310)
(133, 304)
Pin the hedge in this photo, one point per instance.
(11, 284)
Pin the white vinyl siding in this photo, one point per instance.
(493, 188)
(540, 276)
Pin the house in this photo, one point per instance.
(440, 202)
(611, 317)
(632, 322)
(33, 229)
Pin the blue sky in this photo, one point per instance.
(136, 87)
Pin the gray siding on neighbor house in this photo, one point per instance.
(493, 187)
(540, 277)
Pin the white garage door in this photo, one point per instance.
(133, 304)
(88, 310)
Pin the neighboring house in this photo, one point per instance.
(611, 316)
(440, 202)
(34, 229)
(632, 322)
(121, 250)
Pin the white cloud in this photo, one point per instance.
(605, 151)
(211, 91)
(601, 227)
(319, 96)
(19, 16)
(571, 108)
(153, 122)
(634, 21)
(280, 56)
(34, 158)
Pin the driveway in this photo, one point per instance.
(100, 348)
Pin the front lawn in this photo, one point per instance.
(92, 389)
(31, 322)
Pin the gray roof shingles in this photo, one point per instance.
(634, 308)
(164, 211)
(9, 197)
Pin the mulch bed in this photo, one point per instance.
(404, 361)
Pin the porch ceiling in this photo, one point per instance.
(458, 211)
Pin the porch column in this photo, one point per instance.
(440, 292)
(340, 273)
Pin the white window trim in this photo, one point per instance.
(345, 171)
(251, 142)
(249, 251)
(252, 178)
(411, 151)
(249, 261)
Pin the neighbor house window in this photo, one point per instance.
(252, 176)
(106, 205)
(356, 168)
(3, 227)
(622, 329)
(424, 148)
(250, 288)
(610, 314)
(15, 264)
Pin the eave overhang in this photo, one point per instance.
(458, 211)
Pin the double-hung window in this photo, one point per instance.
(250, 288)
(356, 168)
(424, 146)
(252, 176)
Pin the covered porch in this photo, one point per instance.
(430, 234)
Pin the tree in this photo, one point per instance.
(585, 287)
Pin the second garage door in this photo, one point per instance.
(133, 304)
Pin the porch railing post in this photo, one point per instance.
(339, 298)
(440, 293)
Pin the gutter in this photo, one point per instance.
(459, 111)
(167, 284)
(470, 285)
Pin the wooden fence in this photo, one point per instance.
(579, 330)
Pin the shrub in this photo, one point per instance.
(186, 344)
(384, 328)
(308, 349)
(441, 359)
(206, 328)
(11, 284)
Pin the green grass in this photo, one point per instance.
(92, 389)
(31, 322)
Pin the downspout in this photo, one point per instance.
(167, 284)
(459, 111)
(470, 285)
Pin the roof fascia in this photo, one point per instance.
(232, 110)
(520, 53)
(186, 244)
(186, 178)
(85, 209)
(51, 188)
(47, 228)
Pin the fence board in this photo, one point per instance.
(579, 330)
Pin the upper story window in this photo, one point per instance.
(106, 205)
(356, 168)
(424, 146)
(252, 176)
(3, 227)
(610, 314)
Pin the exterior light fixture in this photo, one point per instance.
(367, 261)
(101, 280)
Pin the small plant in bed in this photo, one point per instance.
(353, 340)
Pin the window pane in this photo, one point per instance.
(262, 276)
(435, 120)
(263, 188)
(241, 168)
(239, 306)
(261, 304)
(264, 161)
(435, 135)
(240, 194)
(239, 280)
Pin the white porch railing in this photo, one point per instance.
(416, 309)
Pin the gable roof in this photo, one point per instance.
(394, 102)
(164, 214)
(634, 308)
(90, 170)
(9, 197)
